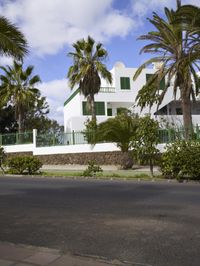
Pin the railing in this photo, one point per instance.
(16, 138)
(171, 135)
(73, 138)
(107, 89)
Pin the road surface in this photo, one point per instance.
(147, 223)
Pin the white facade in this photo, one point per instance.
(116, 96)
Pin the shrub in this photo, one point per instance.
(182, 160)
(145, 140)
(92, 169)
(24, 165)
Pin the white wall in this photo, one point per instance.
(177, 120)
(81, 148)
(19, 148)
(72, 109)
(66, 149)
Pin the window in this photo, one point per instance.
(162, 111)
(109, 112)
(162, 83)
(179, 111)
(99, 108)
(125, 83)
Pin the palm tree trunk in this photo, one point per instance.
(187, 117)
(20, 128)
(93, 108)
(20, 123)
(178, 3)
(151, 166)
(127, 160)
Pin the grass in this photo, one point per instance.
(106, 174)
(120, 174)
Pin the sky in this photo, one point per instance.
(52, 26)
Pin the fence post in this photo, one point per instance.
(73, 137)
(17, 138)
(35, 138)
(1, 139)
(197, 132)
(169, 135)
(54, 139)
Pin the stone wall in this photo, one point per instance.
(13, 154)
(102, 158)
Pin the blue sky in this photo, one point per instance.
(51, 26)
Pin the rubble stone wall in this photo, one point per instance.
(102, 158)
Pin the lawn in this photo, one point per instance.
(106, 174)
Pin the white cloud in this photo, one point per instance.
(114, 24)
(56, 92)
(49, 24)
(4, 60)
(142, 7)
(192, 2)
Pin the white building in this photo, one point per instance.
(122, 94)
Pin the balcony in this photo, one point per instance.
(107, 89)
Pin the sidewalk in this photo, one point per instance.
(22, 255)
(78, 167)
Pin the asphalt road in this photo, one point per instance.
(141, 222)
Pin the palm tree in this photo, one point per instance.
(12, 41)
(179, 52)
(87, 69)
(18, 87)
(178, 3)
(119, 130)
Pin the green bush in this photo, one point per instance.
(92, 169)
(23, 165)
(181, 160)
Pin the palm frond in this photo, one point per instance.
(12, 41)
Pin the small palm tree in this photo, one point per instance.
(18, 87)
(87, 69)
(12, 41)
(179, 51)
(119, 130)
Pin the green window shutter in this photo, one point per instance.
(99, 108)
(162, 83)
(148, 76)
(84, 108)
(125, 83)
(109, 112)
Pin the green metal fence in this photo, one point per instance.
(173, 134)
(165, 136)
(16, 138)
(73, 138)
